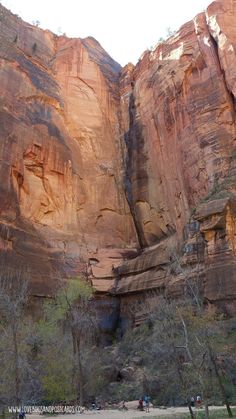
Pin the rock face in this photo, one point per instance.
(62, 194)
(125, 175)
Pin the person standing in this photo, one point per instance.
(192, 402)
(140, 404)
(147, 403)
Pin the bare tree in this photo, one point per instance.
(203, 317)
(13, 346)
(73, 310)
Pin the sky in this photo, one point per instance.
(125, 28)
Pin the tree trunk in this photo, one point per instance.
(81, 384)
(206, 411)
(81, 377)
(16, 366)
(74, 379)
(191, 411)
(221, 385)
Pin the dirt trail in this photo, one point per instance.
(130, 414)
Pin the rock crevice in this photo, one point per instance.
(126, 176)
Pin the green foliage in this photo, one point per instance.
(57, 372)
(169, 354)
(75, 290)
(169, 32)
(175, 344)
(220, 189)
(56, 361)
(56, 386)
(45, 329)
(66, 333)
(78, 289)
(193, 210)
(4, 414)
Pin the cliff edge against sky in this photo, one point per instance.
(125, 175)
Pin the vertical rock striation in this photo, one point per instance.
(180, 142)
(126, 175)
(62, 194)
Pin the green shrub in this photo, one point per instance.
(220, 190)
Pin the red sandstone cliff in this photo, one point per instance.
(62, 194)
(125, 174)
(180, 141)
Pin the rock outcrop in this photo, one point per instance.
(127, 176)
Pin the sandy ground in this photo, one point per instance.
(130, 414)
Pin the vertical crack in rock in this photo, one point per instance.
(216, 35)
(227, 88)
(66, 177)
(135, 166)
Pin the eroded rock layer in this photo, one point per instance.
(125, 175)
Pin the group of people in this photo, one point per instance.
(96, 406)
(197, 402)
(144, 403)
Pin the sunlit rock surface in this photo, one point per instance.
(126, 176)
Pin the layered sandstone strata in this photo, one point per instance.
(126, 175)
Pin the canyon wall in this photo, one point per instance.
(62, 194)
(178, 104)
(126, 176)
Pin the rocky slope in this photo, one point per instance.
(125, 175)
